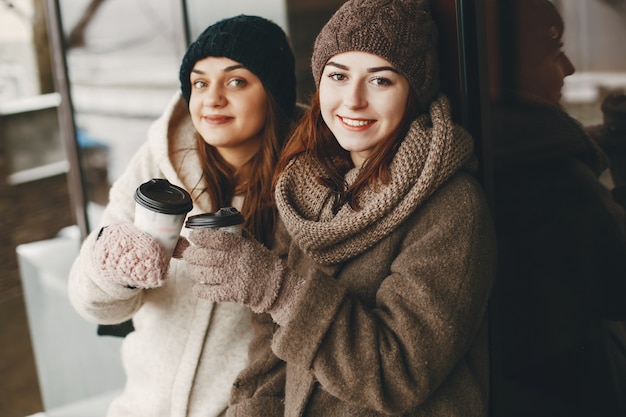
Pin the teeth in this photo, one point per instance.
(355, 123)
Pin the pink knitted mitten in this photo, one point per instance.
(125, 255)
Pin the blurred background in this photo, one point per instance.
(80, 83)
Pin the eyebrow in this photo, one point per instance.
(369, 70)
(227, 69)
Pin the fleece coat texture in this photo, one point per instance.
(185, 352)
(391, 319)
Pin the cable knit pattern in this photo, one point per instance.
(433, 150)
(127, 256)
(401, 31)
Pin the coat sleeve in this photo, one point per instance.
(93, 297)
(260, 388)
(392, 354)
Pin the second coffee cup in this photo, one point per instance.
(228, 219)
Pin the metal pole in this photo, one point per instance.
(186, 26)
(67, 125)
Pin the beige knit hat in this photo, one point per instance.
(401, 31)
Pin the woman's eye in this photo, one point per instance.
(381, 81)
(336, 76)
(199, 84)
(237, 82)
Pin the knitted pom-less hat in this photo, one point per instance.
(401, 31)
(257, 43)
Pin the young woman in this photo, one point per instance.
(381, 302)
(219, 140)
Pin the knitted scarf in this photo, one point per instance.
(432, 151)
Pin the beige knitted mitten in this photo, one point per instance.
(229, 267)
(125, 255)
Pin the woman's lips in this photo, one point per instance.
(217, 119)
(356, 123)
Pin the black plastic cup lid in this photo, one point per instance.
(163, 197)
(226, 216)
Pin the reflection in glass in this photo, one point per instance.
(559, 316)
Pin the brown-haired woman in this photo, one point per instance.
(219, 140)
(381, 302)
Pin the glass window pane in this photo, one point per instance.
(120, 80)
(557, 123)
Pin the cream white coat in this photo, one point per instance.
(185, 352)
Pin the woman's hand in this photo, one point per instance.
(229, 267)
(127, 256)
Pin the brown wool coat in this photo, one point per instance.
(397, 329)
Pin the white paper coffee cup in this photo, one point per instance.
(160, 210)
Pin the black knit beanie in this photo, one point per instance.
(401, 31)
(257, 43)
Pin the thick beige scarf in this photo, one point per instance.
(432, 151)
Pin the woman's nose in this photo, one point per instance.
(568, 67)
(213, 96)
(355, 96)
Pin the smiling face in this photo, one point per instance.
(228, 107)
(362, 99)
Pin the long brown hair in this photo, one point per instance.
(253, 180)
(313, 138)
